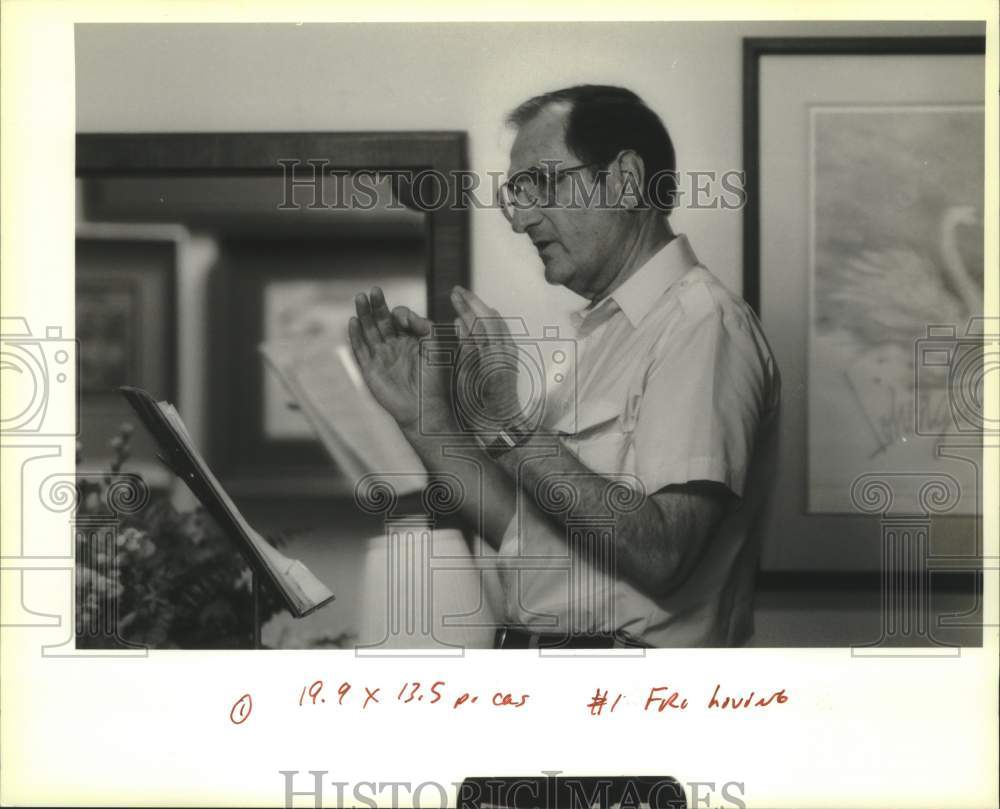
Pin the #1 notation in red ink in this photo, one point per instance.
(664, 699)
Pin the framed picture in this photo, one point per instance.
(863, 256)
(281, 291)
(125, 328)
(289, 259)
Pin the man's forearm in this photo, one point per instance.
(488, 506)
(657, 539)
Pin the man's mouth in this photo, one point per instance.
(541, 244)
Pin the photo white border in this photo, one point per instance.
(156, 730)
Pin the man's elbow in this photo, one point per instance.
(662, 575)
(675, 556)
(687, 527)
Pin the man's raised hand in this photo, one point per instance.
(386, 346)
(488, 363)
(407, 320)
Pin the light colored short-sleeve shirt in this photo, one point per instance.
(674, 382)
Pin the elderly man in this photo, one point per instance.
(674, 386)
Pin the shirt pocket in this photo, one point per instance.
(598, 437)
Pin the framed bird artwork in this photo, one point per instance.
(863, 255)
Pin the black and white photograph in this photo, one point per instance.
(649, 421)
(403, 347)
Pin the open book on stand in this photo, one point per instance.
(301, 591)
(324, 380)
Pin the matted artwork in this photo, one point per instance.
(126, 334)
(863, 256)
(107, 324)
(896, 249)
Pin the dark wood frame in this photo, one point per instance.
(753, 50)
(242, 154)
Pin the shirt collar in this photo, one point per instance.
(641, 290)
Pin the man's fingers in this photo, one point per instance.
(467, 359)
(472, 301)
(478, 317)
(408, 320)
(383, 318)
(368, 328)
(462, 308)
(361, 351)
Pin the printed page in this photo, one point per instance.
(360, 435)
(281, 358)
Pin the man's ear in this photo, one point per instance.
(630, 179)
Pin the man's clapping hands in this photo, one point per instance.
(392, 350)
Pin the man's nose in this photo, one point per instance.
(523, 217)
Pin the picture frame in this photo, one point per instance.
(266, 299)
(825, 131)
(126, 304)
(250, 461)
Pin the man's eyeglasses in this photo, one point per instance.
(533, 186)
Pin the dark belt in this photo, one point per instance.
(508, 637)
